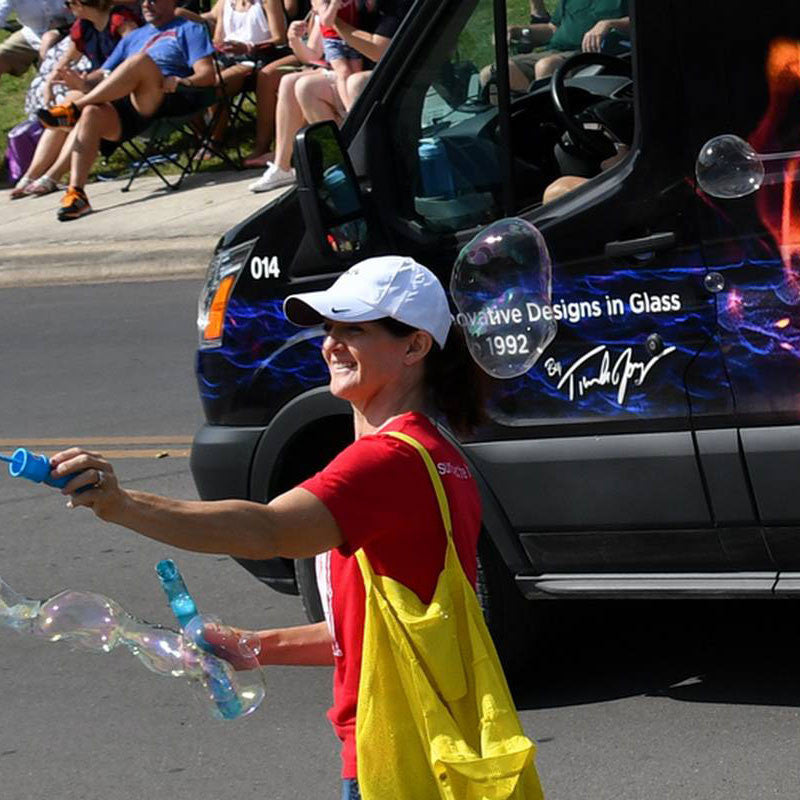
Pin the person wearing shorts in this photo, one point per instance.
(575, 26)
(146, 69)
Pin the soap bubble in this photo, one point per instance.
(501, 285)
(728, 167)
(97, 623)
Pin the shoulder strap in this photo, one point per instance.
(441, 497)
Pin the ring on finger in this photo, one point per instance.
(100, 478)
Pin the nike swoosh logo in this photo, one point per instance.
(339, 310)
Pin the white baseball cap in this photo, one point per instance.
(386, 286)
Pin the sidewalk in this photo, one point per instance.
(149, 233)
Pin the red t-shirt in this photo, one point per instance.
(382, 498)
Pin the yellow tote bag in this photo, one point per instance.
(435, 717)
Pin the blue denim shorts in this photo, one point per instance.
(350, 790)
(336, 48)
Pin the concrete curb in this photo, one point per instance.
(125, 260)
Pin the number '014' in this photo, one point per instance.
(266, 267)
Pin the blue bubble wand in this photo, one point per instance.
(185, 611)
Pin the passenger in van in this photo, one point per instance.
(575, 27)
(313, 97)
(398, 505)
(568, 183)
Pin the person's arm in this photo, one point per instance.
(310, 50)
(49, 38)
(276, 20)
(294, 525)
(536, 34)
(203, 74)
(303, 645)
(370, 45)
(593, 38)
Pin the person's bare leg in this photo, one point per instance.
(96, 123)
(315, 98)
(62, 163)
(267, 83)
(49, 149)
(288, 120)
(546, 66)
(356, 84)
(137, 76)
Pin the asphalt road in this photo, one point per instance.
(631, 701)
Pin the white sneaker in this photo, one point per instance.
(273, 178)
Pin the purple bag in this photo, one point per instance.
(22, 141)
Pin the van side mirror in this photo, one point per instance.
(328, 190)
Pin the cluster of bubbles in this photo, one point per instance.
(96, 623)
(727, 167)
(500, 282)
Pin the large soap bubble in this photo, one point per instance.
(728, 167)
(96, 623)
(502, 287)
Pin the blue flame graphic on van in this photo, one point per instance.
(259, 339)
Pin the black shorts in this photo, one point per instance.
(132, 123)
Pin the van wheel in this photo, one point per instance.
(306, 577)
(514, 622)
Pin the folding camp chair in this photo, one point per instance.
(179, 139)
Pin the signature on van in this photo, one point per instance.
(595, 369)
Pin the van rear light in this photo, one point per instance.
(223, 272)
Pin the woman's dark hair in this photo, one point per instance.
(454, 381)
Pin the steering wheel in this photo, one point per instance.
(597, 142)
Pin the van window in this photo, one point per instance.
(445, 126)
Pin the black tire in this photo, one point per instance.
(514, 622)
(306, 577)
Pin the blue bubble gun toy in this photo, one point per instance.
(25, 464)
(185, 610)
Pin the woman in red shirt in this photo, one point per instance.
(395, 356)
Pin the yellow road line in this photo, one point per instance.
(145, 453)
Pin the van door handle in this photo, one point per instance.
(647, 244)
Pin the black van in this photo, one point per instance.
(652, 448)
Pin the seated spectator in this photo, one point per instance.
(305, 41)
(38, 18)
(97, 29)
(575, 26)
(343, 59)
(269, 78)
(147, 67)
(313, 97)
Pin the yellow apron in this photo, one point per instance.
(435, 717)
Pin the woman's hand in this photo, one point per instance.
(238, 647)
(237, 48)
(297, 30)
(94, 475)
(72, 79)
(171, 83)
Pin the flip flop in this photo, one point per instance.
(41, 186)
(20, 190)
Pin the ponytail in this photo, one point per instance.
(456, 385)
